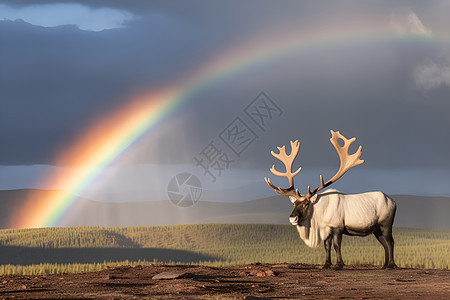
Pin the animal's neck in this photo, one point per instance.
(309, 232)
(312, 230)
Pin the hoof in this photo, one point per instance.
(392, 266)
(338, 267)
(326, 266)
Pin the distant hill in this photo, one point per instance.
(12, 202)
(413, 211)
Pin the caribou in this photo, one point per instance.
(328, 215)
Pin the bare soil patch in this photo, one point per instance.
(287, 281)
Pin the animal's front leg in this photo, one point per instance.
(327, 244)
(337, 239)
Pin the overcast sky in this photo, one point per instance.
(66, 64)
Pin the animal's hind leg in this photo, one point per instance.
(379, 235)
(387, 234)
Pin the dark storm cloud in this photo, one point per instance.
(362, 90)
(55, 81)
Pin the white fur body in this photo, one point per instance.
(357, 214)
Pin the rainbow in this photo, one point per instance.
(111, 137)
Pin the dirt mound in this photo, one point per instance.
(246, 281)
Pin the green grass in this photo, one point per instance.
(209, 244)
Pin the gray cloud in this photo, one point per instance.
(431, 75)
(408, 22)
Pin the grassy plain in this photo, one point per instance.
(80, 249)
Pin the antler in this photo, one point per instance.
(347, 160)
(288, 161)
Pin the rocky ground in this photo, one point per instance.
(256, 281)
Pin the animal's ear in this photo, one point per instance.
(293, 199)
(314, 199)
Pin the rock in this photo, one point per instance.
(280, 266)
(23, 287)
(169, 275)
(261, 274)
